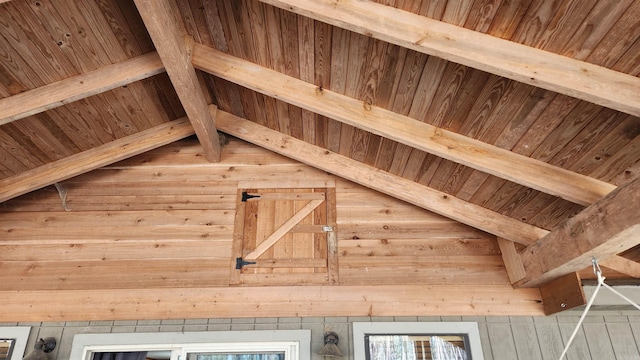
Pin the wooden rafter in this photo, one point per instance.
(507, 229)
(623, 265)
(79, 87)
(511, 258)
(174, 48)
(522, 63)
(379, 180)
(449, 145)
(516, 272)
(95, 158)
(600, 231)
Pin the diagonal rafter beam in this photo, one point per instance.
(507, 229)
(602, 230)
(174, 48)
(623, 265)
(515, 61)
(382, 181)
(95, 158)
(78, 87)
(449, 145)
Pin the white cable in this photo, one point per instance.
(622, 296)
(598, 272)
(584, 314)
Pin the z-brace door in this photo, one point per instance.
(285, 237)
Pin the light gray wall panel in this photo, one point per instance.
(501, 341)
(579, 348)
(622, 340)
(598, 340)
(613, 336)
(526, 340)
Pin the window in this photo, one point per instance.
(234, 345)
(13, 341)
(417, 341)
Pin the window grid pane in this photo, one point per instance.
(417, 347)
(266, 356)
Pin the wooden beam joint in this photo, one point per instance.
(600, 231)
(176, 51)
(512, 260)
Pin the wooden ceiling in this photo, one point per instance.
(510, 117)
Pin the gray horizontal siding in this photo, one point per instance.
(612, 335)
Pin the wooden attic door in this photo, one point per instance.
(285, 237)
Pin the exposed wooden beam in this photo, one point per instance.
(516, 272)
(241, 302)
(602, 230)
(175, 51)
(379, 180)
(78, 87)
(512, 261)
(622, 265)
(449, 145)
(92, 159)
(515, 61)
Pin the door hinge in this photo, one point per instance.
(241, 263)
(246, 196)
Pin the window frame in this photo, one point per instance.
(295, 343)
(468, 329)
(21, 336)
(289, 348)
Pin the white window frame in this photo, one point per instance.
(470, 329)
(296, 344)
(21, 336)
(290, 348)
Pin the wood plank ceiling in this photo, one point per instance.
(508, 117)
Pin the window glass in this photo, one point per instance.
(244, 356)
(6, 347)
(417, 347)
(209, 345)
(417, 341)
